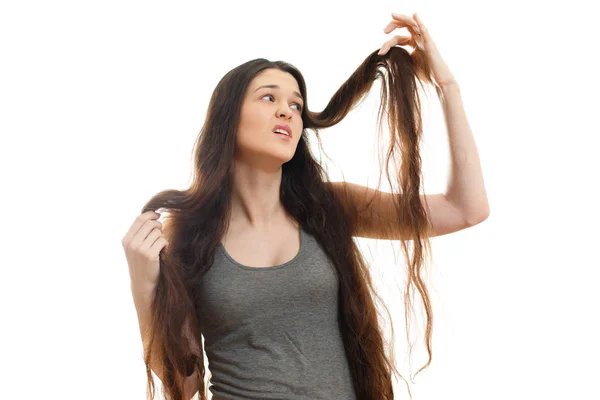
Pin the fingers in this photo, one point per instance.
(138, 223)
(396, 40)
(414, 25)
(158, 245)
(407, 21)
(396, 24)
(149, 228)
(150, 240)
(419, 21)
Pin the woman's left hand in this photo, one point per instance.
(420, 39)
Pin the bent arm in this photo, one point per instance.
(466, 189)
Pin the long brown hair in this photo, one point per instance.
(198, 217)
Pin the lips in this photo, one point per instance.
(284, 127)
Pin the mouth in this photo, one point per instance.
(283, 135)
(283, 130)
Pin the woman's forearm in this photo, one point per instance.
(466, 189)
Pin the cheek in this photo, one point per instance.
(244, 135)
(257, 120)
(248, 134)
(248, 126)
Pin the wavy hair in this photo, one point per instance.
(198, 217)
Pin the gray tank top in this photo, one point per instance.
(273, 333)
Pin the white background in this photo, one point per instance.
(100, 103)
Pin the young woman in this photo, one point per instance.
(257, 255)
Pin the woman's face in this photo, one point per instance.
(262, 109)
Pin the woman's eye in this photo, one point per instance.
(269, 95)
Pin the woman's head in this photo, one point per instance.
(272, 98)
(239, 123)
(238, 127)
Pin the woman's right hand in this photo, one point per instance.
(142, 243)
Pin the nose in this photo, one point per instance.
(284, 111)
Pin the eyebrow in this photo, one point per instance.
(277, 87)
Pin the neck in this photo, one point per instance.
(255, 199)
